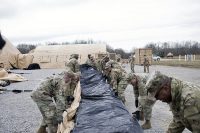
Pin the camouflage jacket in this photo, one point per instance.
(55, 88)
(73, 65)
(146, 61)
(117, 77)
(185, 107)
(102, 64)
(132, 60)
(140, 89)
(91, 63)
(98, 64)
(115, 64)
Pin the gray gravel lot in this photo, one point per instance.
(19, 114)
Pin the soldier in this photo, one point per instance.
(114, 64)
(117, 81)
(118, 61)
(91, 61)
(146, 64)
(100, 63)
(138, 81)
(73, 63)
(52, 98)
(104, 61)
(132, 63)
(183, 98)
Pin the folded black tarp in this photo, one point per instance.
(100, 111)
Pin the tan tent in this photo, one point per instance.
(11, 56)
(170, 54)
(8, 55)
(55, 56)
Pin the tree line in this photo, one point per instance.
(26, 48)
(120, 51)
(176, 48)
(161, 48)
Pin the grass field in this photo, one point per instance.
(174, 62)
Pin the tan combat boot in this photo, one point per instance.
(146, 125)
(42, 129)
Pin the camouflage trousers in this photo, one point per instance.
(132, 67)
(47, 108)
(146, 105)
(146, 68)
(120, 89)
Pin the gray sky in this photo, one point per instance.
(121, 23)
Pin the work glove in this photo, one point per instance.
(70, 99)
(115, 92)
(136, 103)
(105, 77)
(136, 115)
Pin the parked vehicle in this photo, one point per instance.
(156, 58)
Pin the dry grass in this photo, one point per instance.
(182, 63)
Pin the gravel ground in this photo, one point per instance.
(19, 114)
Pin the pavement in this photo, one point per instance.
(19, 114)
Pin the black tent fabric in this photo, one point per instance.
(100, 111)
(2, 42)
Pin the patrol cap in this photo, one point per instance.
(74, 55)
(130, 76)
(155, 82)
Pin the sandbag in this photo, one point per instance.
(100, 111)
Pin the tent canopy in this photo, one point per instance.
(55, 56)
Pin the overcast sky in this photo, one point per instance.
(121, 23)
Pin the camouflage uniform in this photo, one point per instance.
(98, 65)
(73, 64)
(185, 107)
(114, 64)
(132, 63)
(51, 99)
(118, 82)
(91, 62)
(185, 104)
(146, 64)
(140, 92)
